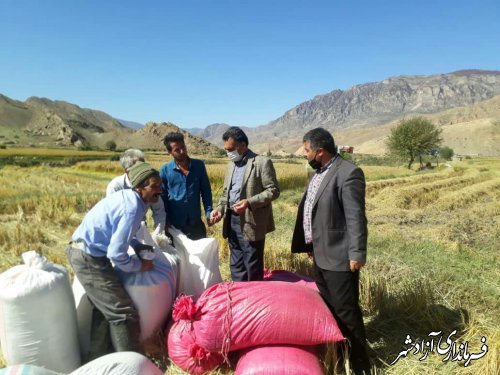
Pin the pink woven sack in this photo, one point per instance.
(279, 360)
(233, 316)
(187, 354)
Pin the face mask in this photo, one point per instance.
(234, 156)
(316, 165)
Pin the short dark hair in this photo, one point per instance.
(320, 138)
(236, 133)
(172, 137)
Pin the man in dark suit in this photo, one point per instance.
(250, 185)
(331, 224)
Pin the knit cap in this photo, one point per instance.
(139, 172)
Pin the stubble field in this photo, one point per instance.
(433, 246)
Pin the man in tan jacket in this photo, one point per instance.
(250, 185)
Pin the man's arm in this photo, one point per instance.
(118, 246)
(164, 192)
(270, 186)
(353, 200)
(206, 191)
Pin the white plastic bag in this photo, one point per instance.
(199, 263)
(37, 315)
(121, 363)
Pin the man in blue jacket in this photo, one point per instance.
(184, 181)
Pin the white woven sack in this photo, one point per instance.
(26, 370)
(37, 315)
(84, 310)
(121, 363)
(152, 292)
(199, 263)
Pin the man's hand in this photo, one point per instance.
(356, 265)
(240, 206)
(215, 217)
(146, 265)
(142, 246)
(144, 251)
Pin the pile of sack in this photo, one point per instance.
(46, 322)
(276, 323)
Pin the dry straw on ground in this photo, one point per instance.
(433, 246)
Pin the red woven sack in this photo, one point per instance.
(187, 354)
(279, 360)
(233, 316)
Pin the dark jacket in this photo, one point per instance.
(339, 225)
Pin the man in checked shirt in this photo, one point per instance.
(331, 225)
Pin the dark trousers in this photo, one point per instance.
(340, 290)
(195, 231)
(247, 257)
(110, 298)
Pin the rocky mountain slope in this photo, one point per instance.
(46, 123)
(371, 105)
(469, 130)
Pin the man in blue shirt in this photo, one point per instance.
(184, 180)
(104, 236)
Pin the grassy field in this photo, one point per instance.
(433, 246)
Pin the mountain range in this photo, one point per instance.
(42, 122)
(366, 112)
(466, 104)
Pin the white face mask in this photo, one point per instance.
(234, 156)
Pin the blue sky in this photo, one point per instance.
(195, 63)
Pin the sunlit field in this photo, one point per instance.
(433, 246)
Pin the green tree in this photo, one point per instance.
(269, 153)
(413, 138)
(111, 145)
(446, 153)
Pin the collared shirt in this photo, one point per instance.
(181, 193)
(158, 208)
(110, 227)
(237, 180)
(312, 189)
